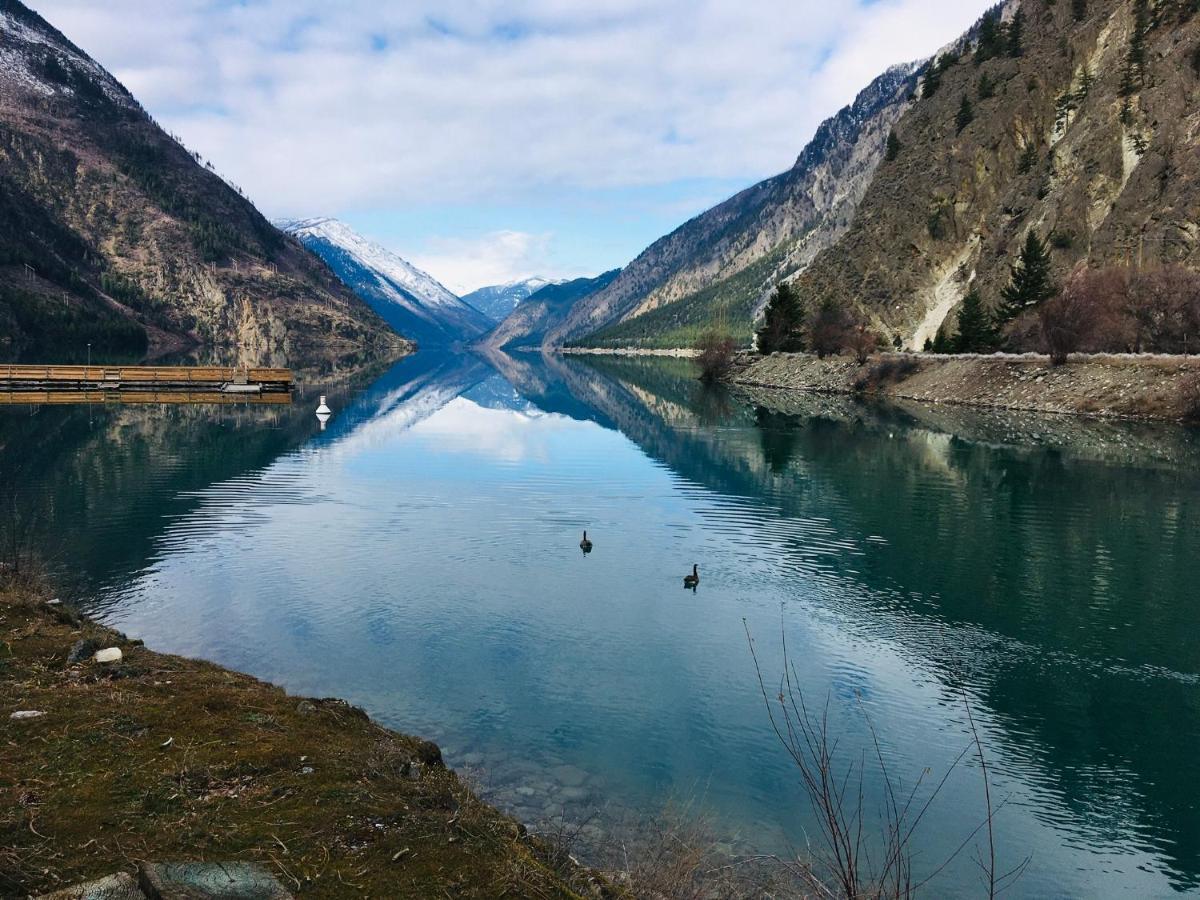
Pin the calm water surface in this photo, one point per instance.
(420, 558)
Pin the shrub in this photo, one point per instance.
(1164, 308)
(1065, 322)
(716, 356)
(887, 371)
(863, 340)
(829, 328)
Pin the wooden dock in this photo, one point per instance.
(197, 398)
(144, 384)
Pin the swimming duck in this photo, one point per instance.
(585, 545)
(692, 581)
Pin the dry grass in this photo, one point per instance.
(675, 855)
(852, 858)
(166, 758)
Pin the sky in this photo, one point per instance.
(487, 141)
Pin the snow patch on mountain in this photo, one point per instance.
(413, 302)
(28, 53)
(421, 285)
(499, 300)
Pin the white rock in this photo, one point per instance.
(110, 655)
(23, 714)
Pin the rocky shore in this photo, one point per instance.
(112, 760)
(1103, 386)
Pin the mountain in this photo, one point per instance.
(501, 299)
(721, 264)
(1087, 137)
(408, 299)
(111, 233)
(544, 311)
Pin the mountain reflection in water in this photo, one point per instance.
(421, 557)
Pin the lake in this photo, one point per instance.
(420, 557)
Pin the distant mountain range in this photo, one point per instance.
(411, 301)
(543, 311)
(113, 235)
(499, 300)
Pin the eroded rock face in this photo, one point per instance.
(1054, 146)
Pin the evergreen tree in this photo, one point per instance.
(1135, 60)
(932, 81)
(782, 322)
(1079, 9)
(966, 114)
(1031, 283)
(1016, 34)
(991, 37)
(942, 343)
(987, 87)
(1029, 158)
(976, 330)
(893, 147)
(1086, 80)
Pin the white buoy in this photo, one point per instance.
(323, 418)
(324, 410)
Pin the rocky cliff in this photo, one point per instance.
(1085, 131)
(111, 233)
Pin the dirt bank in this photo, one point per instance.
(1111, 386)
(160, 758)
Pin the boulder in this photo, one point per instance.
(108, 655)
(84, 649)
(210, 881)
(121, 886)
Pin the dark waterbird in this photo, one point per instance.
(692, 581)
(585, 545)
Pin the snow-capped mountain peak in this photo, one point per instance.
(422, 285)
(413, 302)
(499, 300)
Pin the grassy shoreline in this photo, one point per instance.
(159, 758)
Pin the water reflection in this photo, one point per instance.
(1044, 568)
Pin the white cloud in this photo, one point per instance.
(368, 106)
(465, 264)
